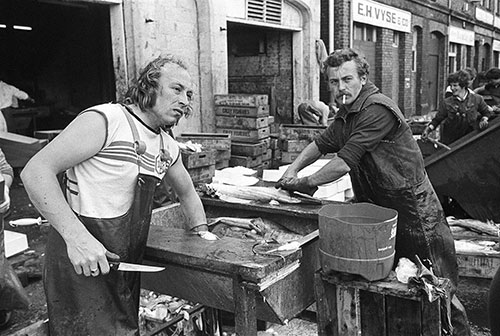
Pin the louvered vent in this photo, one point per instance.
(265, 10)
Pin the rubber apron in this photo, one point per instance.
(106, 304)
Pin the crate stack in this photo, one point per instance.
(294, 138)
(200, 165)
(246, 118)
(220, 143)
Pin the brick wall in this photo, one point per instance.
(383, 61)
(342, 22)
(406, 99)
(269, 73)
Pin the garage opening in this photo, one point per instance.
(60, 54)
(260, 62)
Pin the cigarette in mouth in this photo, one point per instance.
(343, 99)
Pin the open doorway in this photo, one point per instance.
(60, 54)
(260, 62)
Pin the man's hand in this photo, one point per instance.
(483, 123)
(202, 231)
(302, 185)
(89, 257)
(425, 133)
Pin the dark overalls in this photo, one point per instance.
(393, 175)
(106, 304)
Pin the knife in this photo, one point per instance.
(128, 267)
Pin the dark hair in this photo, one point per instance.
(492, 73)
(471, 71)
(144, 89)
(340, 56)
(461, 77)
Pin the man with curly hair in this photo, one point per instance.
(112, 156)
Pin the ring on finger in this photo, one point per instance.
(94, 272)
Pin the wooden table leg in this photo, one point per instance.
(245, 313)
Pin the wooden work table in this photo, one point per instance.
(230, 274)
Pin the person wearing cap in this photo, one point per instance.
(462, 113)
(491, 90)
(315, 113)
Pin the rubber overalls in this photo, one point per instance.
(106, 304)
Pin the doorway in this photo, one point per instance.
(61, 56)
(433, 71)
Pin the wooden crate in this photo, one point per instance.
(289, 157)
(216, 141)
(221, 155)
(241, 111)
(222, 164)
(478, 265)
(198, 159)
(202, 174)
(247, 149)
(268, 154)
(242, 135)
(241, 122)
(300, 132)
(241, 99)
(293, 145)
(348, 305)
(245, 161)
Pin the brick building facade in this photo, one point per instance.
(411, 63)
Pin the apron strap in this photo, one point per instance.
(140, 146)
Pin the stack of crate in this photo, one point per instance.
(200, 165)
(246, 118)
(220, 143)
(294, 138)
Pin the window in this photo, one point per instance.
(452, 57)
(395, 38)
(414, 51)
(364, 32)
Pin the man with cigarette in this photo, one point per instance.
(375, 145)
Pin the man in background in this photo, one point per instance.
(9, 96)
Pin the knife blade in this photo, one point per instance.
(128, 267)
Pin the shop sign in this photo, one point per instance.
(380, 15)
(484, 16)
(461, 36)
(496, 45)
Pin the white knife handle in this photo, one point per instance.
(25, 222)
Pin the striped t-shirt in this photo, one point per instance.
(103, 185)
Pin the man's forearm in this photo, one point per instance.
(309, 155)
(332, 171)
(192, 207)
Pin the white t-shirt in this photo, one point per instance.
(103, 186)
